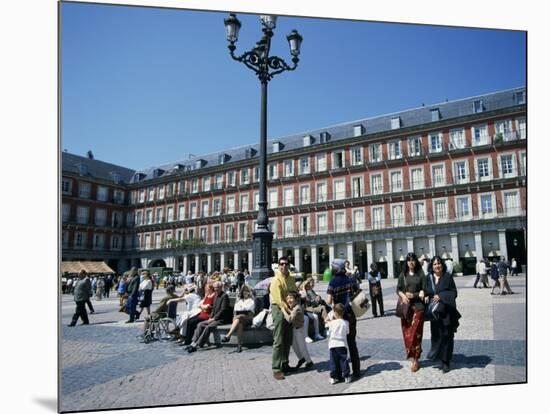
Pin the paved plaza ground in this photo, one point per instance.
(104, 366)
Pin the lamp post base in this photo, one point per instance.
(261, 256)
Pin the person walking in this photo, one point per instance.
(441, 289)
(483, 274)
(514, 266)
(281, 284)
(375, 290)
(146, 286)
(494, 276)
(340, 290)
(503, 270)
(133, 295)
(411, 288)
(82, 293)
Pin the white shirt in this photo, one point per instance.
(338, 331)
(245, 305)
(146, 285)
(482, 268)
(192, 301)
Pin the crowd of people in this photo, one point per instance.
(427, 290)
(498, 271)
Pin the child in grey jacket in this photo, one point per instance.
(296, 318)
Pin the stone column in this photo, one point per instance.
(250, 259)
(197, 263)
(454, 247)
(222, 260)
(389, 257)
(209, 263)
(502, 244)
(350, 253)
(236, 263)
(330, 253)
(478, 245)
(431, 244)
(370, 255)
(410, 244)
(314, 261)
(185, 264)
(298, 258)
(279, 254)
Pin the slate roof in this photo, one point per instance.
(94, 168)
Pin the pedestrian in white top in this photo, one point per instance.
(514, 266)
(337, 345)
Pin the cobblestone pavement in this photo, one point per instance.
(104, 366)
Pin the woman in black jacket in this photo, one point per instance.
(441, 289)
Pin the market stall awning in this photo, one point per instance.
(90, 267)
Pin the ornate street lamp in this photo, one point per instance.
(265, 67)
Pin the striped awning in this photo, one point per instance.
(89, 267)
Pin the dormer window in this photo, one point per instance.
(82, 169)
(199, 164)
(117, 178)
(478, 106)
(277, 146)
(325, 137)
(308, 140)
(436, 115)
(249, 153)
(138, 177)
(223, 158)
(178, 167)
(358, 130)
(396, 123)
(520, 97)
(158, 172)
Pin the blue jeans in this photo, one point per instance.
(338, 363)
(131, 306)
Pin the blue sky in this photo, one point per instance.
(146, 86)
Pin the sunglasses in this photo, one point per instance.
(283, 264)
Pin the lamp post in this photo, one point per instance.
(265, 67)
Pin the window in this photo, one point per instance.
(191, 234)
(65, 239)
(324, 137)
(396, 181)
(397, 217)
(520, 97)
(480, 136)
(419, 215)
(463, 208)
(82, 215)
(147, 241)
(229, 232)
(79, 240)
(119, 196)
(486, 205)
(84, 190)
(511, 203)
(272, 171)
(256, 206)
(376, 184)
(322, 223)
(116, 219)
(358, 220)
(357, 187)
(287, 227)
(161, 192)
(507, 165)
(276, 146)
(151, 194)
(139, 218)
(375, 153)
(304, 225)
(216, 230)
(149, 217)
(181, 212)
(160, 212)
(230, 202)
(288, 197)
(231, 179)
(170, 189)
(244, 203)
(167, 236)
(438, 175)
(206, 184)
(273, 198)
(304, 194)
(321, 192)
(243, 231)
(417, 179)
(181, 187)
(321, 162)
(288, 168)
(521, 127)
(358, 130)
(415, 146)
(245, 176)
(303, 165)
(99, 240)
(273, 227)
(339, 221)
(217, 207)
(483, 169)
(377, 217)
(395, 123)
(193, 211)
(440, 211)
(338, 160)
(394, 150)
(457, 139)
(256, 174)
(478, 106)
(194, 185)
(523, 163)
(219, 182)
(66, 186)
(436, 115)
(157, 241)
(142, 196)
(436, 142)
(170, 214)
(65, 213)
(307, 140)
(339, 190)
(503, 130)
(461, 172)
(129, 219)
(356, 156)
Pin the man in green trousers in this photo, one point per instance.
(281, 284)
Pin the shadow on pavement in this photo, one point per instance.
(478, 361)
(384, 366)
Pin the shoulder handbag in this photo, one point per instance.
(431, 312)
(403, 310)
(360, 303)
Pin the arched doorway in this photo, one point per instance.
(157, 263)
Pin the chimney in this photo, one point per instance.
(90, 154)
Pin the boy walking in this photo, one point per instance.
(337, 345)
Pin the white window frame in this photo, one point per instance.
(418, 221)
(206, 183)
(307, 230)
(457, 138)
(203, 234)
(194, 186)
(440, 219)
(414, 185)
(243, 235)
(102, 193)
(378, 224)
(394, 150)
(272, 171)
(489, 160)
(307, 188)
(288, 231)
(255, 206)
(443, 176)
(181, 211)
(320, 162)
(244, 202)
(193, 210)
(358, 225)
(392, 188)
(414, 152)
(342, 227)
(375, 152)
(483, 137)
(205, 210)
(219, 182)
(273, 201)
(304, 169)
(216, 234)
(318, 197)
(435, 137)
(245, 176)
(230, 205)
(374, 190)
(151, 194)
(354, 192)
(231, 178)
(463, 217)
(514, 172)
(514, 210)
(456, 178)
(491, 214)
(160, 191)
(341, 193)
(521, 127)
(356, 155)
(229, 232)
(219, 201)
(288, 168)
(288, 201)
(342, 154)
(320, 230)
(522, 155)
(149, 216)
(395, 221)
(504, 127)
